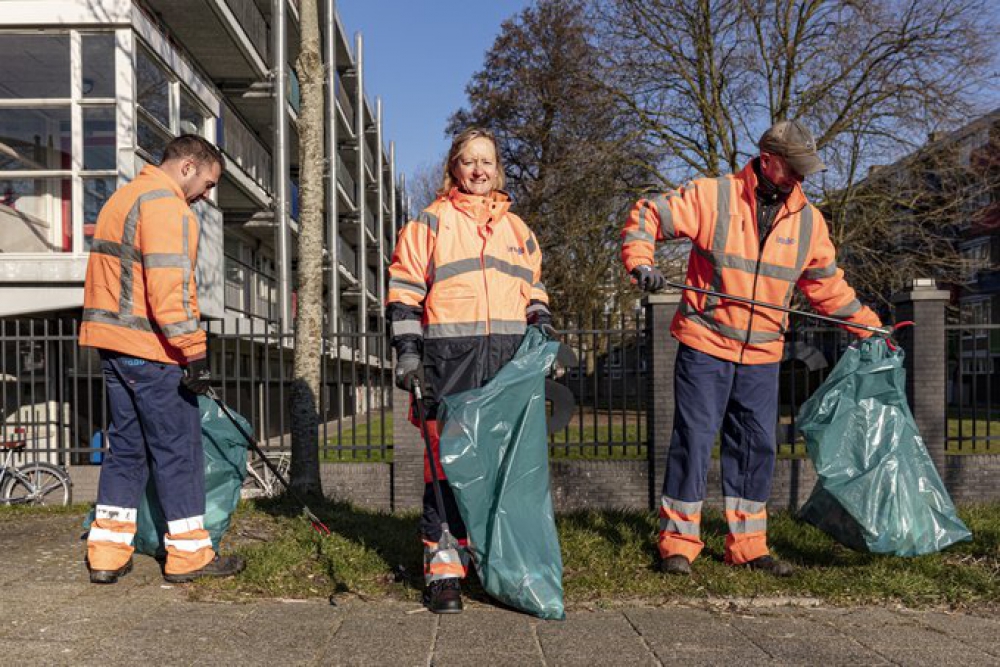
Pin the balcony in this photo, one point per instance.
(229, 38)
(244, 148)
(250, 292)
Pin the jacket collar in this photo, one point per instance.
(481, 209)
(161, 178)
(795, 202)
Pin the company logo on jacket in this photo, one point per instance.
(516, 250)
(786, 240)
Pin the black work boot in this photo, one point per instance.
(220, 566)
(109, 576)
(444, 596)
(675, 565)
(771, 565)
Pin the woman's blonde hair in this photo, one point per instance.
(458, 145)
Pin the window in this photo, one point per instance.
(977, 256)
(35, 214)
(35, 139)
(99, 138)
(193, 117)
(152, 139)
(152, 88)
(96, 192)
(98, 61)
(35, 66)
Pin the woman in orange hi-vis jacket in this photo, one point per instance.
(753, 235)
(465, 282)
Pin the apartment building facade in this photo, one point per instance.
(94, 89)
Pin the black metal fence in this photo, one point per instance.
(53, 397)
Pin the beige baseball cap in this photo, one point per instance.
(793, 141)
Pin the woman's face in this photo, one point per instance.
(475, 170)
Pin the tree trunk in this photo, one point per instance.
(305, 391)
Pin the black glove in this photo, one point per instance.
(409, 366)
(649, 278)
(197, 378)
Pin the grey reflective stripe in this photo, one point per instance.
(665, 214)
(408, 285)
(680, 527)
(537, 308)
(456, 330)
(686, 508)
(508, 326)
(503, 266)
(822, 272)
(719, 240)
(531, 246)
(848, 310)
(407, 328)
(179, 328)
(637, 235)
(129, 232)
(113, 249)
(185, 273)
(744, 526)
(727, 261)
(756, 337)
(441, 556)
(457, 268)
(429, 219)
(167, 260)
(540, 286)
(462, 329)
(735, 504)
(117, 319)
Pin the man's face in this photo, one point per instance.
(779, 172)
(198, 179)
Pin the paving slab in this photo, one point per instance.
(474, 637)
(589, 638)
(694, 637)
(381, 634)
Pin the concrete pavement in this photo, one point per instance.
(51, 615)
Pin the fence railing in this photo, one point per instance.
(972, 388)
(53, 395)
(248, 291)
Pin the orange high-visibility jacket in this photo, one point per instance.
(719, 216)
(140, 296)
(465, 279)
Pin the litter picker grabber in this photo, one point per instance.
(447, 542)
(791, 311)
(317, 525)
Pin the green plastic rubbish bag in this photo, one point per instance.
(495, 454)
(878, 489)
(225, 469)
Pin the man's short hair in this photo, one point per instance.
(191, 146)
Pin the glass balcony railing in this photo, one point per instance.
(244, 148)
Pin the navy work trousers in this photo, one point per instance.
(742, 399)
(155, 426)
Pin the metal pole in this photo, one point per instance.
(333, 156)
(362, 204)
(281, 208)
(392, 195)
(380, 227)
(791, 311)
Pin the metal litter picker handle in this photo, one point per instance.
(318, 525)
(791, 311)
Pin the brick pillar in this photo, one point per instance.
(926, 367)
(407, 456)
(661, 351)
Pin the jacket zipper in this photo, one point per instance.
(756, 272)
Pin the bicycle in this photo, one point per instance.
(260, 482)
(34, 483)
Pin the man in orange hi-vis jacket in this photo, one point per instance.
(140, 310)
(753, 235)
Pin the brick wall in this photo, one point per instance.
(973, 478)
(363, 484)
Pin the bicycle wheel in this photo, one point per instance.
(256, 483)
(38, 484)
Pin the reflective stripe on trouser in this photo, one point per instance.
(741, 399)
(188, 545)
(680, 528)
(155, 428)
(445, 563)
(747, 538)
(109, 543)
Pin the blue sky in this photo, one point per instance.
(419, 55)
